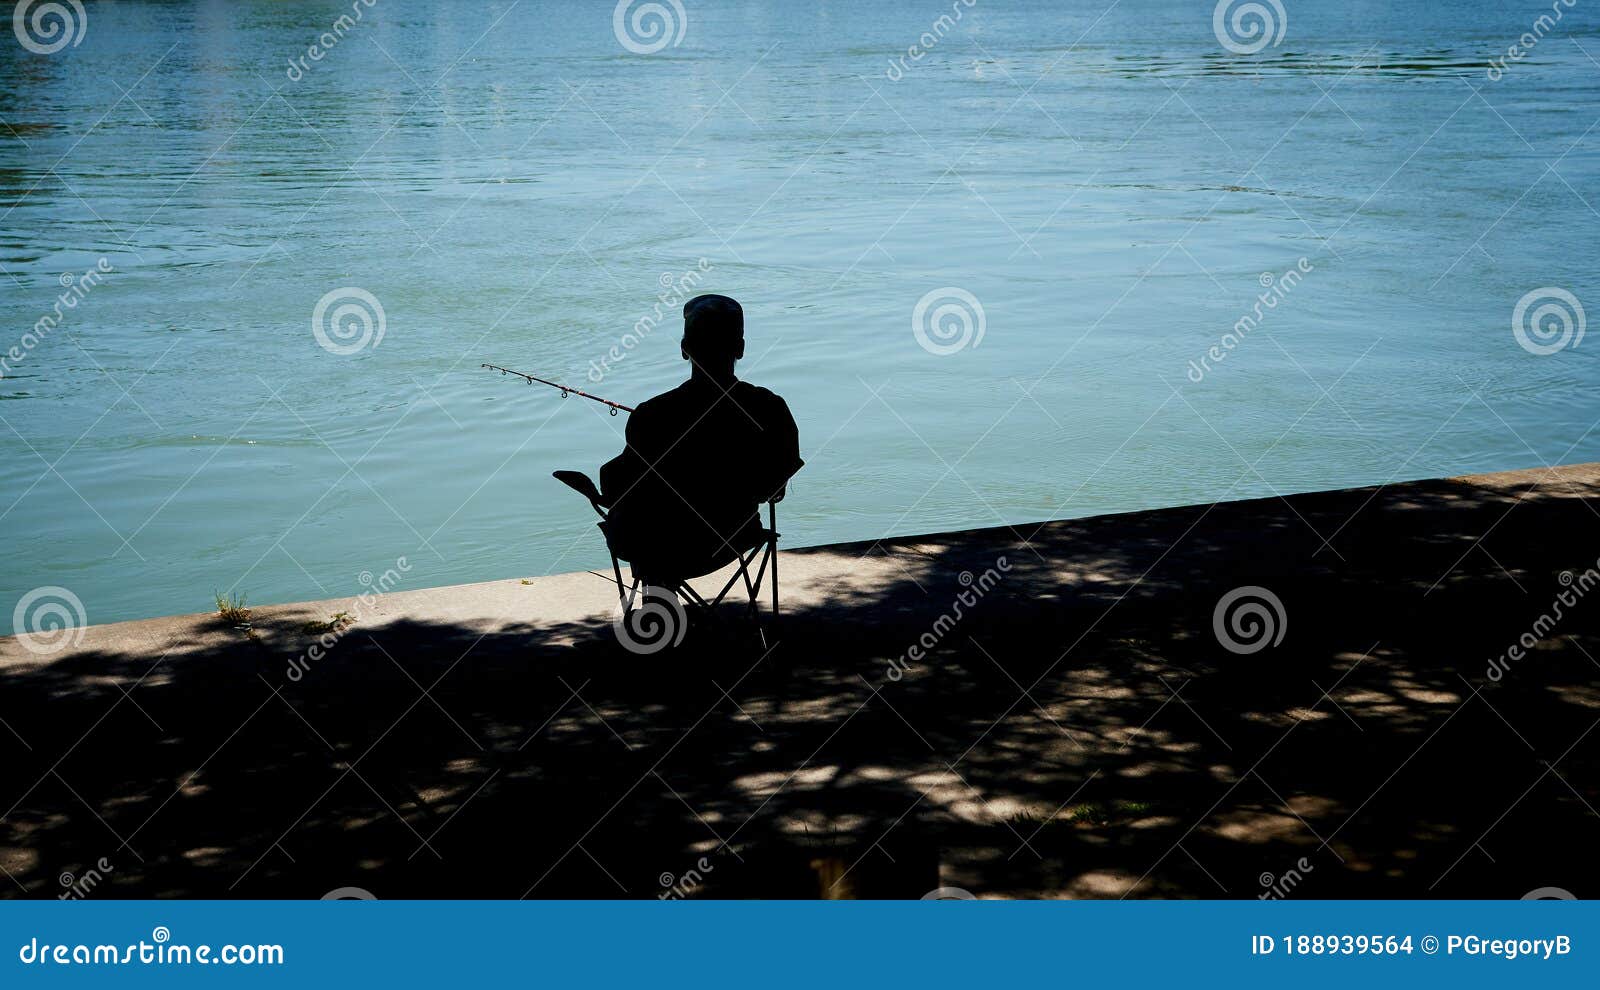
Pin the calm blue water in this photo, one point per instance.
(514, 185)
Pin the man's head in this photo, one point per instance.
(713, 333)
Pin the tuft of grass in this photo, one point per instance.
(526, 581)
(232, 609)
(1095, 813)
(1090, 813)
(336, 622)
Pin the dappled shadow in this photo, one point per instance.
(1076, 730)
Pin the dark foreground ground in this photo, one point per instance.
(1080, 731)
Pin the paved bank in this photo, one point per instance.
(1091, 707)
(1102, 549)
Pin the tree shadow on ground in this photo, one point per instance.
(1076, 727)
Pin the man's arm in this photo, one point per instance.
(619, 475)
(783, 451)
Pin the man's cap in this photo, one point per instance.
(713, 318)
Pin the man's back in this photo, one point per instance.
(700, 459)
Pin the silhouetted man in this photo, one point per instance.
(701, 458)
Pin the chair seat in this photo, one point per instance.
(662, 553)
(670, 565)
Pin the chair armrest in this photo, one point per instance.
(582, 484)
(783, 489)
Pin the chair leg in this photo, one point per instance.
(772, 548)
(622, 596)
(720, 595)
(755, 608)
(687, 593)
(627, 601)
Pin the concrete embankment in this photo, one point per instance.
(1372, 692)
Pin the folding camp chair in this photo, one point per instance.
(742, 550)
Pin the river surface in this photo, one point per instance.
(989, 259)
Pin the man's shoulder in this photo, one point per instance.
(755, 395)
(762, 403)
(660, 403)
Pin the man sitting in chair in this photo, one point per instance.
(701, 458)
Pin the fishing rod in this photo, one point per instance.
(564, 388)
